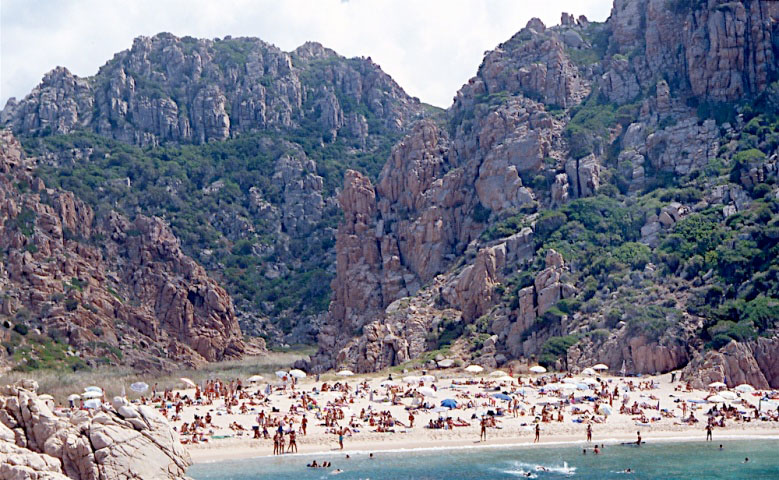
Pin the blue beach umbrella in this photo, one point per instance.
(449, 403)
(501, 396)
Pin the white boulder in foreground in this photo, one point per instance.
(123, 442)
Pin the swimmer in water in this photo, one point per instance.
(627, 470)
(746, 460)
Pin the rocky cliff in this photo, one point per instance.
(121, 441)
(109, 290)
(251, 146)
(196, 90)
(565, 210)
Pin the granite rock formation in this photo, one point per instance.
(114, 288)
(123, 441)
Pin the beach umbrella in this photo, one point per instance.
(582, 386)
(446, 363)
(717, 385)
(91, 394)
(139, 387)
(538, 369)
(474, 369)
(590, 381)
(716, 399)
(501, 396)
(745, 388)
(440, 410)
(297, 373)
(605, 409)
(74, 397)
(281, 374)
(93, 389)
(553, 386)
(345, 373)
(427, 378)
(45, 396)
(411, 379)
(449, 403)
(728, 395)
(600, 367)
(497, 373)
(188, 382)
(589, 371)
(388, 383)
(93, 403)
(568, 386)
(427, 391)
(570, 380)
(255, 379)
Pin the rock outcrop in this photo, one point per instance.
(753, 362)
(112, 287)
(123, 441)
(195, 90)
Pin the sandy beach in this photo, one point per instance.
(656, 407)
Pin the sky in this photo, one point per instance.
(430, 47)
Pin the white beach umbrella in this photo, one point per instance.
(297, 373)
(600, 367)
(188, 382)
(74, 397)
(92, 394)
(538, 369)
(446, 363)
(553, 386)
(255, 379)
(497, 373)
(604, 409)
(568, 386)
(745, 388)
(716, 399)
(427, 391)
(427, 378)
(388, 383)
(139, 387)
(728, 395)
(474, 369)
(589, 371)
(411, 379)
(93, 389)
(93, 403)
(281, 374)
(345, 373)
(570, 380)
(590, 381)
(717, 385)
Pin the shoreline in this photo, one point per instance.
(245, 449)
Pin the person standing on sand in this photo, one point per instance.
(304, 424)
(483, 434)
(538, 433)
(589, 432)
(638, 440)
(276, 444)
(708, 432)
(410, 420)
(292, 442)
(281, 444)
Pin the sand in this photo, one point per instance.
(513, 430)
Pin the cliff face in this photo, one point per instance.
(196, 90)
(112, 289)
(250, 144)
(124, 441)
(557, 143)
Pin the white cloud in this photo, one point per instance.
(430, 47)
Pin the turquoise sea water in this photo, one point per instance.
(661, 460)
